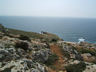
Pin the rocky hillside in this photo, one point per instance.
(22, 51)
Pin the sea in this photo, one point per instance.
(69, 29)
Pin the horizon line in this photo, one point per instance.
(54, 16)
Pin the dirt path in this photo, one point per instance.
(59, 63)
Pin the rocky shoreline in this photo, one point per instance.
(46, 52)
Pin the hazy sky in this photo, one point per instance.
(61, 8)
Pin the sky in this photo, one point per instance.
(50, 8)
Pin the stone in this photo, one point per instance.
(41, 56)
(88, 57)
(4, 55)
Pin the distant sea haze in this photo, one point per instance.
(69, 29)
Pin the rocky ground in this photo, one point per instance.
(43, 52)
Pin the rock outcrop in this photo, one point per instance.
(44, 53)
(22, 56)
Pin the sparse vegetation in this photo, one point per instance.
(22, 37)
(43, 37)
(86, 50)
(24, 33)
(76, 67)
(52, 58)
(66, 54)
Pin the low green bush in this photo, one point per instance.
(22, 45)
(22, 37)
(54, 40)
(66, 54)
(52, 58)
(83, 50)
(80, 67)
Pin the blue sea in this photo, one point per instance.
(69, 29)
